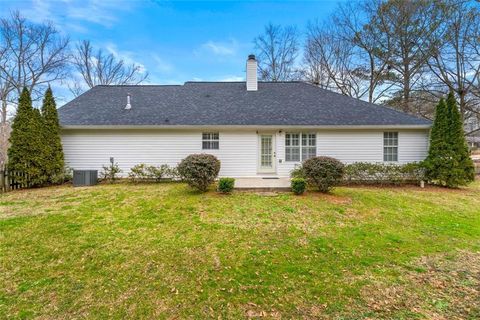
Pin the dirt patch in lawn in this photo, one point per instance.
(437, 288)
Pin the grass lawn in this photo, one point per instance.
(164, 251)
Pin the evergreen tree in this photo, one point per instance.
(437, 164)
(464, 170)
(24, 155)
(54, 162)
(38, 150)
(448, 162)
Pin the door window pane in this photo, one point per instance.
(266, 151)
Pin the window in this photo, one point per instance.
(210, 140)
(300, 146)
(390, 146)
(292, 147)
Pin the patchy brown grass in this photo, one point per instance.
(437, 287)
(164, 251)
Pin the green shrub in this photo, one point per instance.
(297, 172)
(383, 173)
(298, 185)
(164, 171)
(61, 177)
(226, 185)
(143, 172)
(199, 170)
(139, 173)
(323, 172)
(110, 172)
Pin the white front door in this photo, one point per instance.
(266, 153)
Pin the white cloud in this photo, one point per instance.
(221, 48)
(126, 56)
(162, 65)
(72, 13)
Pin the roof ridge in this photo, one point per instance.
(292, 81)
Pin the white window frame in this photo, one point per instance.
(301, 143)
(390, 146)
(210, 140)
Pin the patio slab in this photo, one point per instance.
(262, 183)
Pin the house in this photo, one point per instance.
(256, 129)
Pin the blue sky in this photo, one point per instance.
(175, 41)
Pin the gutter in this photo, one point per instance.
(240, 127)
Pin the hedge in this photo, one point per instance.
(383, 173)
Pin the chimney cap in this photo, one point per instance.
(251, 57)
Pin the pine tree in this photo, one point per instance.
(54, 165)
(448, 162)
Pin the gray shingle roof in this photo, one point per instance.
(226, 103)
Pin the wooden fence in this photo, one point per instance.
(477, 167)
(9, 180)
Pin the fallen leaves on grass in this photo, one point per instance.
(437, 288)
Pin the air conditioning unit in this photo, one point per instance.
(85, 178)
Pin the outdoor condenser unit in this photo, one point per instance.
(85, 177)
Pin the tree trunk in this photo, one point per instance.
(406, 89)
(462, 103)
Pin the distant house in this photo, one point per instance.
(256, 129)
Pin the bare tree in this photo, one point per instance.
(410, 31)
(277, 49)
(32, 56)
(5, 89)
(456, 63)
(353, 22)
(98, 68)
(36, 54)
(333, 59)
(344, 50)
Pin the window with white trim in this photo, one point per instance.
(300, 146)
(210, 140)
(390, 146)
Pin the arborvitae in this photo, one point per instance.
(448, 162)
(39, 150)
(24, 158)
(464, 170)
(54, 164)
(437, 163)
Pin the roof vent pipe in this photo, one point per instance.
(128, 106)
(252, 82)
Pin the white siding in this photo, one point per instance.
(351, 146)
(412, 146)
(238, 152)
(90, 149)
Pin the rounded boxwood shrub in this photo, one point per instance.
(226, 185)
(298, 185)
(323, 172)
(199, 170)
